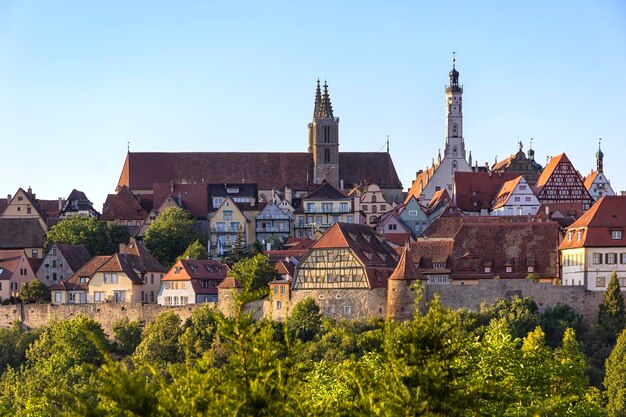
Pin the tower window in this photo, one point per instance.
(326, 155)
(326, 133)
(455, 130)
(454, 151)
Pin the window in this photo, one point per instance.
(611, 258)
(14, 286)
(579, 234)
(374, 199)
(220, 226)
(23, 271)
(344, 207)
(383, 207)
(151, 278)
(83, 280)
(282, 289)
(616, 234)
(347, 310)
(622, 258)
(412, 213)
(35, 253)
(522, 187)
(57, 297)
(275, 289)
(279, 305)
(327, 207)
(217, 201)
(364, 207)
(509, 269)
(329, 278)
(487, 269)
(374, 209)
(227, 215)
(597, 258)
(392, 227)
(310, 207)
(234, 226)
(330, 310)
(600, 281)
(527, 199)
(326, 155)
(516, 199)
(98, 296)
(54, 276)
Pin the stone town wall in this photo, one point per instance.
(544, 294)
(334, 303)
(38, 315)
(362, 303)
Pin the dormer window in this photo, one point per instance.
(531, 269)
(487, 269)
(509, 269)
(570, 236)
(616, 234)
(579, 235)
(177, 270)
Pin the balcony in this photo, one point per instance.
(273, 217)
(327, 210)
(272, 229)
(223, 230)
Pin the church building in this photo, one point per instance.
(439, 176)
(269, 170)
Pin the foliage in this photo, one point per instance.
(35, 292)
(127, 336)
(199, 332)
(556, 320)
(100, 238)
(170, 234)
(195, 251)
(520, 314)
(159, 344)
(611, 317)
(305, 320)
(239, 251)
(254, 274)
(13, 345)
(615, 380)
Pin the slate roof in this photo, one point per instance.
(141, 258)
(3, 205)
(268, 170)
(474, 191)
(86, 271)
(326, 191)
(18, 233)
(123, 206)
(606, 215)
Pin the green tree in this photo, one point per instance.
(254, 274)
(615, 380)
(100, 238)
(159, 345)
(170, 234)
(611, 317)
(195, 251)
(305, 320)
(13, 345)
(35, 292)
(240, 249)
(557, 319)
(127, 336)
(199, 332)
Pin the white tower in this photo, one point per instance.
(455, 145)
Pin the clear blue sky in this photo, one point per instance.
(78, 79)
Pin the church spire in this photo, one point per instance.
(325, 108)
(454, 75)
(599, 157)
(318, 99)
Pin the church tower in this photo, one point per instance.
(324, 138)
(455, 145)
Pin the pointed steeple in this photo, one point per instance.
(599, 157)
(406, 270)
(531, 152)
(454, 75)
(469, 162)
(318, 99)
(325, 109)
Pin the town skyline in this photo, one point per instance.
(216, 80)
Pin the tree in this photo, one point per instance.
(100, 238)
(195, 251)
(254, 274)
(159, 345)
(35, 292)
(555, 320)
(615, 380)
(239, 251)
(170, 234)
(127, 336)
(305, 320)
(611, 317)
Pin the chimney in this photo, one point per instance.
(8, 197)
(30, 190)
(171, 186)
(60, 203)
(288, 194)
(341, 185)
(548, 211)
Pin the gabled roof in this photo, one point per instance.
(121, 263)
(77, 195)
(606, 215)
(405, 270)
(123, 206)
(549, 169)
(9, 260)
(475, 191)
(426, 252)
(86, 271)
(505, 192)
(230, 282)
(18, 233)
(423, 178)
(198, 269)
(439, 198)
(193, 197)
(142, 260)
(268, 170)
(75, 255)
(326, 191)
(589, 179)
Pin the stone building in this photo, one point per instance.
(61, 262)
(401, 288)
(521, 164)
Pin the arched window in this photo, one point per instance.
(326, 155)
(374, 209)
(455, 152)
(326, 134)
(455, 130)
(454, 167)
(374, 199)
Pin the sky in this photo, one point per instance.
(79, 80)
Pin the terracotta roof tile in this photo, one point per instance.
(21, 233)
(194, 197)
(230, 282)
(608, 214)
(406, 270)
(477, 190)
(141, 258)
(504, 192)
(123, 206)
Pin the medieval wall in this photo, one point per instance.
(346, 303)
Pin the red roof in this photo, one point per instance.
(405, 270)
(123, 206)
(589, 179)
(86, 271)
(141, 258)
(268, 170)
(75, 255)
(230, 282)
(608, 214)
(194, 197)
(477, 190)
(550, 168)
(505, 192)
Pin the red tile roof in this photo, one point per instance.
(268, 170)
(141, 258)
(608, 214)
(75, 255)
(589, 179)
(505, 192)
(123, 206)
(477, 190)
(21, 233)
(406, 270)
(230, 282)
(550, 168)
(9, 260)
(440, 198)
(194, 197)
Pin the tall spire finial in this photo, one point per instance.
(387, 143)
(128, 146)
(453, 59)
(520, 144)
(599, 156)
(325, 108)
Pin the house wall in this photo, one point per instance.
(522, 202)
(151, 287)
(336, 302)
(176, 291)
(54, 268)
(20, 207)
(132, 292)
